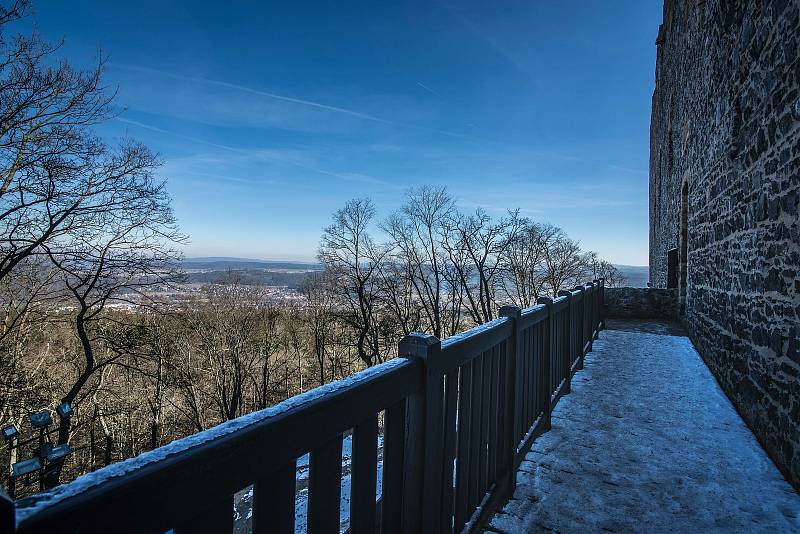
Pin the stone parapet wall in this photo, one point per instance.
(641, 303)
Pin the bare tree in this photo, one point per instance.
(223, 327)
(599, 268)
(417, 233)
(523, 278)
(126, 248)
(397, 296)
(564, 262)
(47, 151)
(269, 344)
(483, 242)
(319, 292)
(350, 256)
(27, 297)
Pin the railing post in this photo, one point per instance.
(512, 402)
(422, 488)
(7, 513)
(588, 314)
(580, 312)
(595, 310)
(570, 340)
(597, 304)
(602, 306)
(550, 343)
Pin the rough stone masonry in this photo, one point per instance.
(724, 189)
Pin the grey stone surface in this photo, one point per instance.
(723, 123)
(647, 442)
(651, 326)
(641, 303)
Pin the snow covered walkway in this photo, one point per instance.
(647, 442)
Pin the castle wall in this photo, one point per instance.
(640, 303)
(726, 121)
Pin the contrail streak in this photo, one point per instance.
(348, 177)
(282, 98)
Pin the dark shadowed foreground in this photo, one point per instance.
(647, 441)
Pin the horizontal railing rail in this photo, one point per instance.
(459, 415)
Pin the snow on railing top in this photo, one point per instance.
(31, 505)
(533, 309)
(472, 332)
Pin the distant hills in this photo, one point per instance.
(635, 275)
(222, 263)
(225, 270)
(222, 269)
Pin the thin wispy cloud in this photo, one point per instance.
(179, 135)
(244, 88)
(292, 100)
(505, 52)
(549, 154)
(431, 91)
(259, 154)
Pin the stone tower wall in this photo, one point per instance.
(726, 122)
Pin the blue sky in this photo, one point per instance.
(270, 115)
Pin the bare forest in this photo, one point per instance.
(89, 247)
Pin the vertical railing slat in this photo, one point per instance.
(571, 349)
(526, 382)
(590, 290)
(587, 343)
(273, 501)
(554, 355)
(519, 379)
(578, 305)
(486, 407)
(530, 378)
(494, 415)
(394, 425)
(537, 361)
(545, 388)
(364, 476)
(535, 374)
(450, 411)
(509, 392)
(325, 487)
(475, 438)
(602, 304)
(464, 433)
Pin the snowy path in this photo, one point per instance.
(647, 442)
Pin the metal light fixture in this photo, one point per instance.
(10, 432)
(58, 452)
(40, 419)
(25, 467)
(43, 467)
(64, 410)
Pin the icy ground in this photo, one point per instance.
(647, 442)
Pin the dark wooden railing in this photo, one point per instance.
(458, 417)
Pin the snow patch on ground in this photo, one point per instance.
(648, 441)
